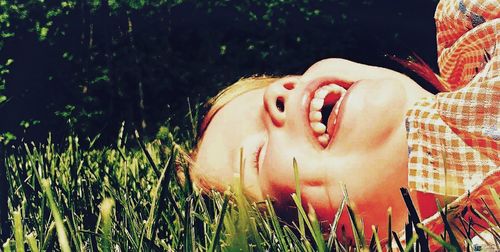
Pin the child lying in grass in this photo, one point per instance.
(371, 128)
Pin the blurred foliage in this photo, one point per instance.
(85, 66)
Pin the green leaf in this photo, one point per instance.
(137, 4)
(7, 137)
(43, 33)
(223, 49)
(113, 4)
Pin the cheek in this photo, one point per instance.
(277, 181)
(276, 175)
(371, 112)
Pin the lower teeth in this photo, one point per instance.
(323, 139)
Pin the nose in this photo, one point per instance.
(276, 97)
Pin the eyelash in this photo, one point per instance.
(256, 155)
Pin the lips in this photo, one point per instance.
(323, 110)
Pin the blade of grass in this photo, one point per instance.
(194, 122)
(300, 218)
(438, 238)
(338, 246)
(410, 243)
(215, 240)
(298, 192)
(389, 229)
(471, 228)
(32, 242)
(264, 226)
(477, 213)
(165, 190)
(408, 230)
(188, 225)
(316, 231)
(276, 225)
(145, 151)
(107, 224)
(18, 230)
(241, 235)
(359, 237)
(313, 228)
(398, 243)
(6, 246)
(297, 245)
(61, 233)
(415, 219)
(372, 245)
(453, 238)
(49, 235)
(335, 223)
(242, 169)
(377, 240)
(156, 193)
(491, 212)
(256, 234)
(495, 196)
(151, 245)
(466, 237)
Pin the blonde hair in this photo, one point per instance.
(242, 86)
(229, 93)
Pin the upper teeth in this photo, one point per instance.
(315, 106)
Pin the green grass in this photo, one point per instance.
(72, 198)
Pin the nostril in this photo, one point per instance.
(280, 104)
(289, 85)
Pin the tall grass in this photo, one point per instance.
(128, 198)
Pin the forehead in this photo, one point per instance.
(218, 152)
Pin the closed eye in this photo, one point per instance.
(256, 156)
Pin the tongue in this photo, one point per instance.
(332, 98)
(333, 116)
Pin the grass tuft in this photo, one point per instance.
(55, 190)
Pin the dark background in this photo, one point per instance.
(83, 67)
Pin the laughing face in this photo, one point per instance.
(342, 121)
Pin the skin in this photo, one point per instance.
(368, 151)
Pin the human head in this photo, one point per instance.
(276, 120)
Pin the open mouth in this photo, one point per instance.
(323, 110)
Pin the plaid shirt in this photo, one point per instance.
(453, 138)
